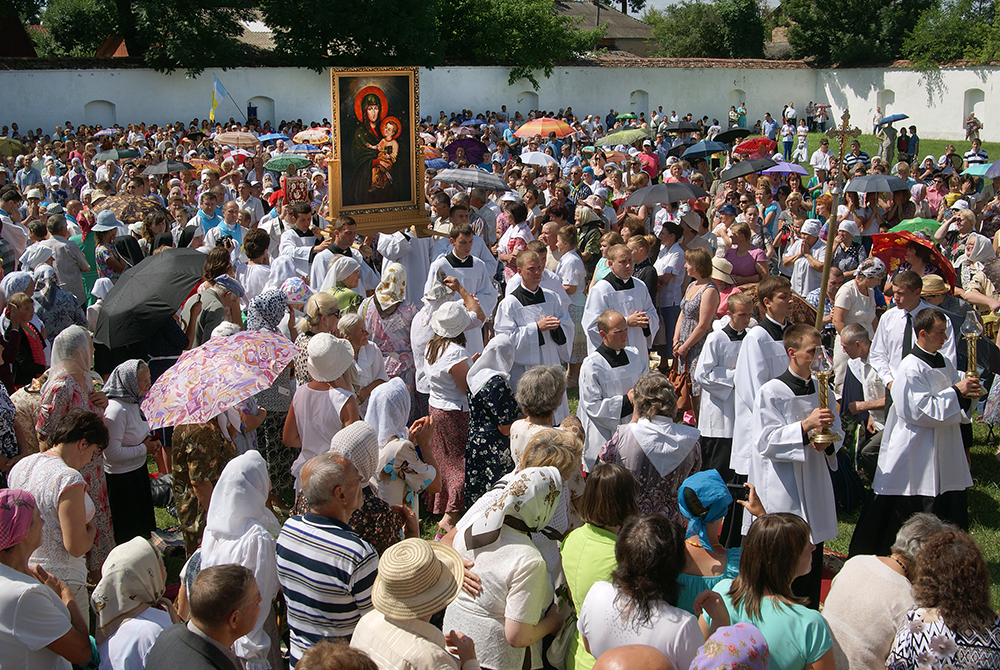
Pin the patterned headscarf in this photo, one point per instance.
(872, 267)
(132, 579)
(266, 310)
(527, 503)
(124, 382)
(738, 647)
(46, 284)
(16, 509)
(15, 282)
(392, 288)
(703, 498)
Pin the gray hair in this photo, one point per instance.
(347, 323)
(326, 473)
(56, 223)
(540, 390)
(855, 332)
(654, 396)
(915, 532)
(460, 198)
(479, 193)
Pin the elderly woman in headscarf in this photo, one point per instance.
(323, 406)
(508, 619)
(406, 467)
(241, 530)
(369, 364)
(70, 385)
(129, 442)
(129, 604)
(978, 250)
(388, 316)
(341, 279)
(266, 312)
(660, 452)
(492, 410)
(57, 308)
(53, 605)
(33, 256)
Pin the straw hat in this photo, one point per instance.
(934, 285)
(329, 357)
(722, 270)
(450, 320)
(417, 578)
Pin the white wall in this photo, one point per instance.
(935, 101)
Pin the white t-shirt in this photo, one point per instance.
(445, 393)
(572, 273)
(671, 261)
(859, 308)
(252, 278)
(670, 629)
(31, 617)
(130, 645)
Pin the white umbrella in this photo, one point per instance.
(536, 158)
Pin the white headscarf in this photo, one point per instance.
(132, 579)
(340, 268)
(388, 410)
(529, 499)
(71, 354)
(496, 361)
(282, 268)
(982, 250)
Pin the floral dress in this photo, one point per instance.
(65, 394)
(850, 258)
(990, 219)
(692, 315)
(487, 453)
(103, 253)
(391, 334)
(924, 642)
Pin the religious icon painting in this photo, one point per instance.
(376, 161)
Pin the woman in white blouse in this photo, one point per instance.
(855, 303)
(368, 359)
(129, 442)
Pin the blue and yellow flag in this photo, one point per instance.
(218, 93)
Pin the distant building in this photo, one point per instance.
(623, 32)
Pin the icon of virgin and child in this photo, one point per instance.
(375, 171)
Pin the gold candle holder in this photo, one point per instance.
(822, 368)
(972, 330)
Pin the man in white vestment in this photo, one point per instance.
(620, 292)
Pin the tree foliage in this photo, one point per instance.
(719, 29)
(635, 5)
(75, 27)
(188, 34)
(956, 30)
(851, 32)
(29, 11)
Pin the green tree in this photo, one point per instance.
(742, 34)
(77, 27)
(689, 29)
(526, 35)
(958, 29)
(635, 5)
(321, 33)
(851, 32)
(29, 11)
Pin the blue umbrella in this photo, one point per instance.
(273, 136)
(893, 119)
(979, 170)
(704, 149)
(303, 149)
(437, 163)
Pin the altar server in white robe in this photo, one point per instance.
(922, 465)
(459, 216)
(620, 292)
(474, 276)
(715, 371)
(411, 249)
(607, 378)
(789, 470)
(538, 324)
(550, 280)
(345, 231)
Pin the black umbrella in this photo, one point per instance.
(743, 168)
(876, 183)
(168, 167)
(733, 135)
(116, 154)
(680, 127)
(660, 193)
(146, 295)
(680, 148)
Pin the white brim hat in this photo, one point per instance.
(329, 357)
(450, 320)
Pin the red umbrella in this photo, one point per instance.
(754, 145)
(543, 127)
(891, 249)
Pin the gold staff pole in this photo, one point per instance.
(842, 133)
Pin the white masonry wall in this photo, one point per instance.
(937, 102)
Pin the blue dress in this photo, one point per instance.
(692, 585)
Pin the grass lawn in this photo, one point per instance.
(870, 144)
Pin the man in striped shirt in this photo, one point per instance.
(976, 156)
(326, 571)
(855, 158)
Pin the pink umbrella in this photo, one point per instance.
(786, 168)
(218, 375)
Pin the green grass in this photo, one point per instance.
(870, 144)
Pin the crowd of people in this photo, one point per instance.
(676, 519)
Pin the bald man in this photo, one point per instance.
(633, 656)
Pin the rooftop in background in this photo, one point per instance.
(624, 32)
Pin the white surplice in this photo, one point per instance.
(518, 321)
(761, 359)
(477, 280)
(791, 476)
(715, 372)
(479, 249)
(922, 450)
(603, 296)
(603, 389)
(414, 254)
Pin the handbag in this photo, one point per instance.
(682, 385)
